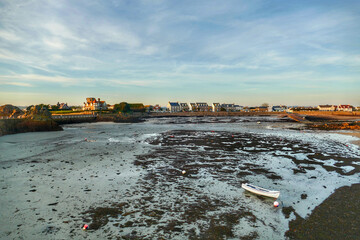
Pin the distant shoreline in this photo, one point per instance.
(325, 116)
(314, 120)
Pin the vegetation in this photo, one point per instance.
(123, 107)
(55, 108)
(11, 111)
(61, 111)
(38, 106)
(137, 107)
(38, 112)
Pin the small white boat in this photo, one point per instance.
(260, 191)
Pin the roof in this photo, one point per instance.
(174, 104)
(327, 105)
(345, 106)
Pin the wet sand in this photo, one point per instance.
(338, 217)
(126, 180)
(354, 134)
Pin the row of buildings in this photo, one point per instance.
(201, 107)
(93, 104)
(217, 107)
(328, 108)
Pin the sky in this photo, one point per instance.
(153, 51)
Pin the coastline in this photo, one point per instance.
(309, 118)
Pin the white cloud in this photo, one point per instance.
(57, 29)
(176, 43)
(34, 79)
(108, 33)
(148, 50)
(9, 36)
(20, 84)
(339, 60)
(55, 43)
(39, 78)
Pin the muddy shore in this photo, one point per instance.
(126, 181)
(336, 218)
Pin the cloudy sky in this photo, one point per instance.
(155, 51)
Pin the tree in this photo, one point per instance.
(54, 107)
(265, 105)
(137, 107)
(122, 107)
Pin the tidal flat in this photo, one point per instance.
(171, 178)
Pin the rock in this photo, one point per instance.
(10, 111)
(37, 118)
(38, 112)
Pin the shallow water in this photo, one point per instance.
(54, 182)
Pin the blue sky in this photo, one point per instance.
(155, 51)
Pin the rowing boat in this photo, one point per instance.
(260, 190)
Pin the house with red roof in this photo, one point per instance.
(92, 104)
(345, 108)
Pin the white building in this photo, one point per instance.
(238, 108)
(345, 108)
(202, 107)
(184, 107)
(327, 107)
(279, 108)
(228, 107)
(174, 107)
(216, 107)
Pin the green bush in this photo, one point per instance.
(123, 107)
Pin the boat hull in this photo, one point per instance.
(260, 191)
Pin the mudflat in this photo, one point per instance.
(171, 178)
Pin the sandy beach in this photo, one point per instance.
(126, 181)
(355, 134)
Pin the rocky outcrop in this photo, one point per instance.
(38, 112)
(12, 126)
(336, 126)
(10, 111)
(36, 119)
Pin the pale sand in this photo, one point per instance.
(354, 133)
